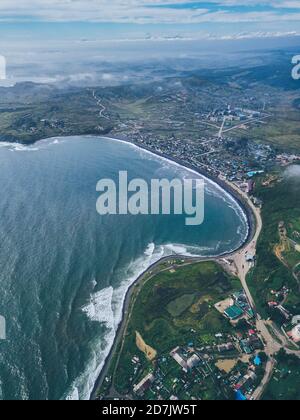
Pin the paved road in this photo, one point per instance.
(102, 107)
(272, 346)
(241, 268)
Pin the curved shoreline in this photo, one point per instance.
(252, 227)
(235, 194)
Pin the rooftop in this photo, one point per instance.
(234, 312)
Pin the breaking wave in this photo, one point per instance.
(106, 307)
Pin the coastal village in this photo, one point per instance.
(105, 296)
(219, 366)
(214, 136)
(224, 365)
(218, 152)
(231, 363)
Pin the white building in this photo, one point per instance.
(295, 334)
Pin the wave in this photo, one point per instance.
(106, 307)
(19, 147)
(187, 251)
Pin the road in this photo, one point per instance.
(251, 120)
(272, 345)
(274, 341)
(221, 128)
(102, 107)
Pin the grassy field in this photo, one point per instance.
(281, 203)
(283, 128)
(285, 383)
(60, 115)
(173, 309)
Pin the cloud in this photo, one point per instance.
(150, 11)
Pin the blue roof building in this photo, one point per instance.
(240, 396)
(257, 361)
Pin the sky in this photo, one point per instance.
(34, 32)
(188, 16)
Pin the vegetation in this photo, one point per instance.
(285, 383)
(283, 129)
(281, 204)
(171, 308)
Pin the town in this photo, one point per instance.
(218, 366)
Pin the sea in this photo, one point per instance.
(65, 270)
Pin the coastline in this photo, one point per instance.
(234, 193)
(226, 186)
(241, 200)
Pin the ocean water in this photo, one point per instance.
(64, 270)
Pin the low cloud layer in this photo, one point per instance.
(293, 172)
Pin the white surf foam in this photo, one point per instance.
(106, 307)
(187, 251)
(18, 147)
(99, 308)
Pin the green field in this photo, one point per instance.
(281, 203)
(285, 383)
(175, 309)
(282, 129)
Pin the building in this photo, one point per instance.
(257, 361)
(296, 320)
(222, 348)
(284, 312)
(295, 334)
(245, 346)
(250, 186)
(255, 343)
(144, 385)
(179, 359)
(193, 361)
(188, 364)
(233, 312)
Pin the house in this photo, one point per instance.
(296, 320)
(179, 359)
(250, 186)
(245, 346)
(257, 361)
(295, 334)
(250, 258)
(193, 361)
(144, 385)
(225, 347)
